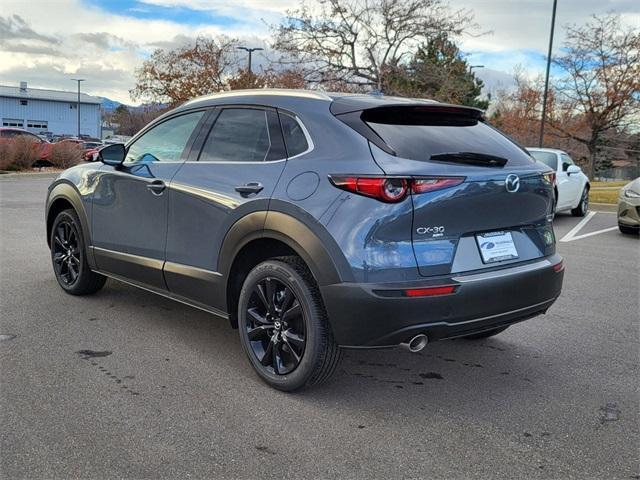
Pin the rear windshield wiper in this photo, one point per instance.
(471, 158)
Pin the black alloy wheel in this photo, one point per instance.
(69, 258)
(65, 252)
(283, 325)
(275, 326)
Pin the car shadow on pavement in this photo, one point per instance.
(459, 371)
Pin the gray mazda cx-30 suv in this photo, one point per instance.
(315, 222)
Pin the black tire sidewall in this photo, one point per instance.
(70, 216)
(584, 202)
(583, 207)
(314, 344)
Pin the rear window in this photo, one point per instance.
(418, 134)
(548, 158)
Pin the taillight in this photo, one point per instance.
(424, 185)
(550, 178)
(385, 189)
(393, 189)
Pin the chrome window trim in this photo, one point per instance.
(250, 162)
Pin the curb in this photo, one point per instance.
(4, 174)
(604, 207)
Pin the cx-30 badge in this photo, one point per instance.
(512, 183)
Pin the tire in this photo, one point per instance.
(280, 308)
(68, 256)
(487, 334)
(583, 207)
(628, 230)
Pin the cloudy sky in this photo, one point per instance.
(48, 42)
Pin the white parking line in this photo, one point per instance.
(572, 235)
(569, 236)
(604, 230)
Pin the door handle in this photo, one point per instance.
(156, 187)
(251, 187)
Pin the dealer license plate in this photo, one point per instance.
(496, 246)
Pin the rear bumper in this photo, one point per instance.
(361, 317)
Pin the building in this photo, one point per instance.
(40, 110)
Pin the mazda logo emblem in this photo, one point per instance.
(512, 183)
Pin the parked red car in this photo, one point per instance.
(42, 146)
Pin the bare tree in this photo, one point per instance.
(131, 120)
(600, 91)
(174, 76)
(267, 78)
(357, 41)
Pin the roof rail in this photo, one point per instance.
(264, 91)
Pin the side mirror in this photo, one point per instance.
(113, 154)
(573, 169)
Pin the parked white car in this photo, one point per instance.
(573, 185)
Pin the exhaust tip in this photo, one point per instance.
(417, 343)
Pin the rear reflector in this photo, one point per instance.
(430, 291)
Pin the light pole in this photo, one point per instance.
(475, 66)
(78, 80)
(546, 78)
(250, 50)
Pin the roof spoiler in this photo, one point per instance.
(403, 113)
(348, 104)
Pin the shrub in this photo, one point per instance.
(65, 154)
(5, 153)
(17, 153)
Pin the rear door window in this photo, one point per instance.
(238, 135)
(418, 134)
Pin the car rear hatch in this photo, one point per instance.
(479, 200)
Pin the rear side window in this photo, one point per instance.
(239, 135)
(419, 134)
(548, 158)
(294, 137)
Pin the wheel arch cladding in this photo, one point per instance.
(279, 235)
(62, 197)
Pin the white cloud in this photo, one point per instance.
(50, 42)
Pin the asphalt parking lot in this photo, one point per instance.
(173, 396)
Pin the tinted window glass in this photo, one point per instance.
(418, 135)
(548, 158)
(294, 136)
(566, 161)
(164, 142)
(239, 135)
